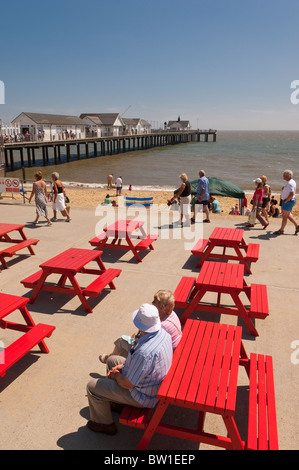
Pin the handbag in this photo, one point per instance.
(252, 217)
(66, 199)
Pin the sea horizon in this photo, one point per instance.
(236, 156)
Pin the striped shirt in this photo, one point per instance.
(172, 325)
(147, 365)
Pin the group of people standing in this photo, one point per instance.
(202, 197)
(39, 191)
(261, 202)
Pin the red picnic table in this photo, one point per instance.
(222, 278)
(124, 230)
(17, 243)
(67, 265)
(227, 239)
(204, 377)
(34, 334)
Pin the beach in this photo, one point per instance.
(87, 197)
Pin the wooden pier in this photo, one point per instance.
(95, 147)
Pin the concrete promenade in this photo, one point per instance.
(43, 403)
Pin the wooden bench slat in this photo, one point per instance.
(32, 280)
(252, 253)
(262, 423)
(95, 241)
(146, 242)
(259, 307)
(273, 435)
(135, 417)
(10, 355)
(183, 291)
(199, 247)
(11, 250)
(101, 282)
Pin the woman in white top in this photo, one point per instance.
(288, 201)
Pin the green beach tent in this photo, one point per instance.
(220, 187)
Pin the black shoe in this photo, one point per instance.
(109, 429)
(117, 407)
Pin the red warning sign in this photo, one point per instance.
(9, 185)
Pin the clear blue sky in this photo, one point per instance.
(225, 64)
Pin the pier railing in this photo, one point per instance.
(50, 151)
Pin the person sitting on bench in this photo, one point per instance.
(164, 301)
(134, 380)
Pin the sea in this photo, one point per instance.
(236, 156)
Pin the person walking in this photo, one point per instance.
(39, 190)
(58, 198)
(203, 196)
(257, 202)
(184, 194)
(288, 201)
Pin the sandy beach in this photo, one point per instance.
(86, 197)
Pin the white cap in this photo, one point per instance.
(257, 180)
(147, 319)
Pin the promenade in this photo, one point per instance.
(43, 397)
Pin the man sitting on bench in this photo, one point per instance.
(134, 380)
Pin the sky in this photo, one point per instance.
(221, 64)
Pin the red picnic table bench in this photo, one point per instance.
(67, 265)
(17, 243)
(124, 230)
(222, 278)
(34, 334)
(204, 377)
(227, 239)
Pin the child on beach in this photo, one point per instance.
(214, 208)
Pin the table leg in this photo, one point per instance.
(192, 306)
(132, 248)
(39, 285)
(205, 254)
(3, 262)
(79, 293)
(154, 422)
(29, 321)
(233, 433)
(242, 259)
(244, 359)
(244, 314)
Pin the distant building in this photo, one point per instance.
(49, 127)
(136, 126)
(36, 126)
(111, 123)
(179, 125)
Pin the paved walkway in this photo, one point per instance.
(43, 398)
